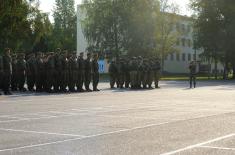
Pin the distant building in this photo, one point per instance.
(176, 62)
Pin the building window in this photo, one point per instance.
(178, 57)
(183, 57)
(183, 42)
(183, 28)
(189, 43)
(189, 57)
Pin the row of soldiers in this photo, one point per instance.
(136, 73)
(52, 72)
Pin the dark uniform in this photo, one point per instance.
(50, 68)
(1, 73)
(192, 68)
(127, 73)
(58, 71)
(95, 72)
(157, 72)
(88, 72)
(7, 71)
(39, 72)
(121, 73)
(133, 73)
(113, 73)
(31, 72)
(14, 76)
(73, 72)
(65, 72)
(81, 72)
(21, 72)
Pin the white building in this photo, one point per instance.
(177, 62)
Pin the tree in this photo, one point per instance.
(64, 31)
(166, 35)
(120, 27)
(215, 34)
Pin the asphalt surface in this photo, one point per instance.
(166, 121)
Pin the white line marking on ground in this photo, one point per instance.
(219, 148)
(81, 138)
(38, 132)
(199, 144)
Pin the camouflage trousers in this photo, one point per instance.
(95, 79)
(120, 80)
(134, 79)
(157, 76)
(112, 79)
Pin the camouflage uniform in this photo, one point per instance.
(150, 74)
(7, 71)
(112, 73)
(14, 76)
(65, 72)
(157, 72)
(121, 74)
(88, 73)
(31, 72)
(39, 72)
(192, 68)
(73, 72)
(1, 73)
(127, 74)
(95, 72)
(57, 71)
(50, 68)
(133, 73)
(21, 72)
(81, 72)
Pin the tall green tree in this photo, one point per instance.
(214, 24)
(166, 34)
(120, 27)
(64, 31)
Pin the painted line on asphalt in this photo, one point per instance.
(218, 148)
(82, 138)
(38, 132)
(199, 144)
(121, 131)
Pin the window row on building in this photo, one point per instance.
(184, 42)
(181, 57)
(183, 28)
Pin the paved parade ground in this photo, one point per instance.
(166, 121)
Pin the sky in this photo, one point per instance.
(47, 6)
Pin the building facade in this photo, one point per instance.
(176, 62)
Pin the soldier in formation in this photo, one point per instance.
(51, 72)
(135, 73)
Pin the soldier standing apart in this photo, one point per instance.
(7, 71)
(1, 73)
(31, 72)
(95, 72)
(88, 72)
(21, 72)
(192, 68)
